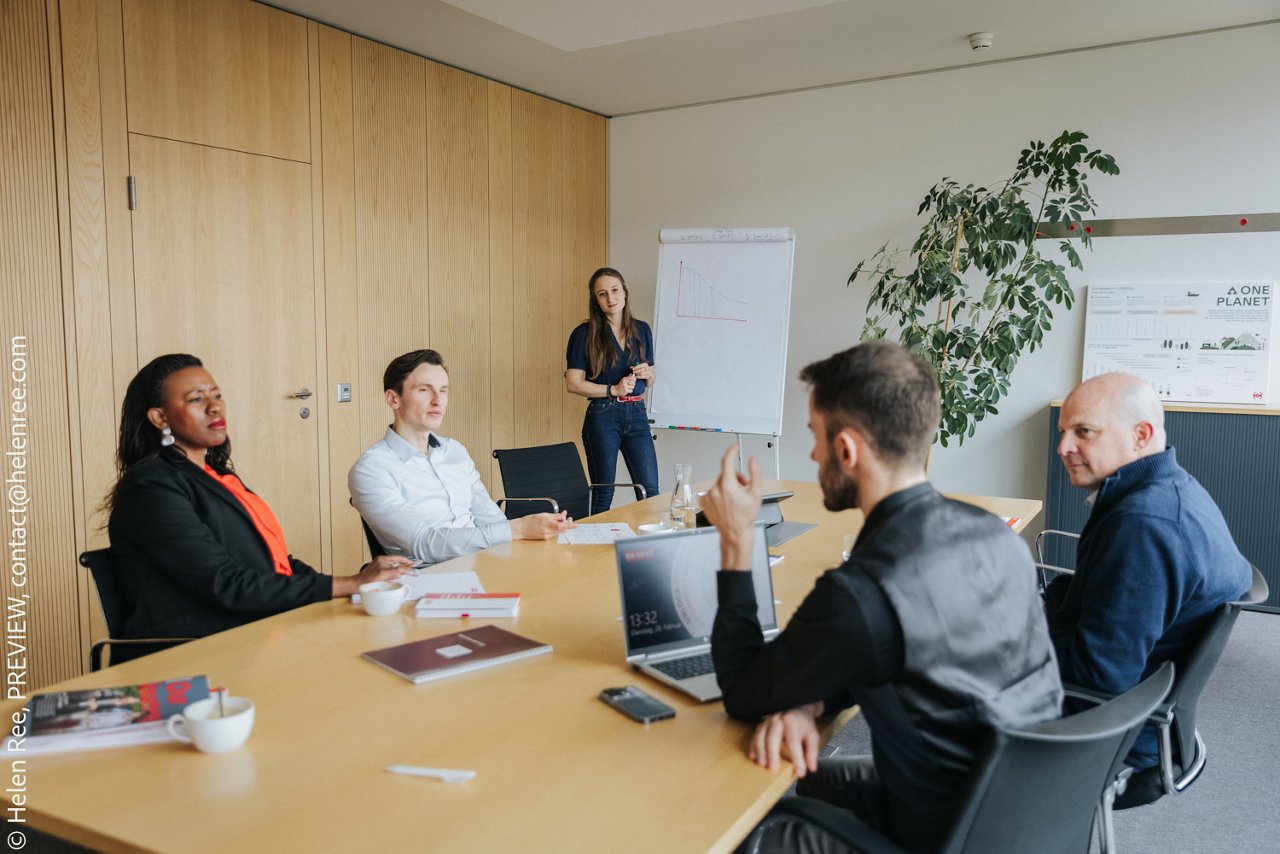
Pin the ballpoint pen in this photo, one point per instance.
(449, 775)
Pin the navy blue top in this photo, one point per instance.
(1154, 560)
(576, 356)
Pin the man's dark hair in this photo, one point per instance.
(885, 393)
(401, 366)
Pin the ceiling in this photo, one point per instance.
(616, 57)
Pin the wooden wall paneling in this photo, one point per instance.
(227, 73)
(87, 286)
(537, 131)
(323, 401)
(391, 199)
(40, 529)
(586, 231)
(87, 276)
(458, 215)
(118, 220)
(341, 294)
(501, 280)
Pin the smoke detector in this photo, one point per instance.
(980, 41)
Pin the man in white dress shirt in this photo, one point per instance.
(420, 492)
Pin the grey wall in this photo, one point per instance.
(1194, 123)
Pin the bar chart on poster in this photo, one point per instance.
(720, 328)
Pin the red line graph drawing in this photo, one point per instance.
(699, 299)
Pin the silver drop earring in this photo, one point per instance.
(166, 437)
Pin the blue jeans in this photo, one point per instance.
(610, 427)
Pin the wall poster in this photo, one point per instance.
(1198, 343)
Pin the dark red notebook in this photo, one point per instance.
(456, 652)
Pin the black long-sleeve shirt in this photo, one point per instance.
(844, 634)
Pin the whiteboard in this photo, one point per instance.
(720, 328)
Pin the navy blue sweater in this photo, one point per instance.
(1154, 559)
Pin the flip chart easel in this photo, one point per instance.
(720, 330)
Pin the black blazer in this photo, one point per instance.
(188, 558)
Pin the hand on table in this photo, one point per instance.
(793, 734)
(384, 568)
(541, 526)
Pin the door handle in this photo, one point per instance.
(301, 394)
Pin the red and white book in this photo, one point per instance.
(454, 605)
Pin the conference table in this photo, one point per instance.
(557, 770)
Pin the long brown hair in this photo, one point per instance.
(600, 340)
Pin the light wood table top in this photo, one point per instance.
(556, 769)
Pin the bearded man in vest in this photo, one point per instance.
(933, 626)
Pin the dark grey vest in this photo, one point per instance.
(976, 647)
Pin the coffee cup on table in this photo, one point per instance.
(381, 598)
(214, 727)
(659, 527)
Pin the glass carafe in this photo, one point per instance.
(684, 502)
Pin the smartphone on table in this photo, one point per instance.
(636, 704)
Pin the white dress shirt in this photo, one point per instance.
(428, 506)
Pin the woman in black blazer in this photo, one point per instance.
(194, 551)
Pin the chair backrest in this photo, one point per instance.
(1258, 593)
(100, 566)
(544, 471)
(375, 547)
(1037, 789)
(1195, 665)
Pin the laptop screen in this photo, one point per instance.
(668, 584)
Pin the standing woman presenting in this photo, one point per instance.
(610, 362)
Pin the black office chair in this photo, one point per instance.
(548, 477)
(375, 547)
(1182, 750)
(99, 564)
(1065, 763)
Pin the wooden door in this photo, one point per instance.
(223, 270)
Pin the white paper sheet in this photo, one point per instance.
(596, 533)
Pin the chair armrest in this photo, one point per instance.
(555, 508)
(1161, 714)
(637, 486)
(1079, 692)
(641, 493)
(1050, 532)
(1043, 568)
(95, 651)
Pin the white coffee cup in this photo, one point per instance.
(381, 598)
(655, 528)
(212, 729)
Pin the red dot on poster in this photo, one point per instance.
(1244, 221)
(1037, 234)
(1071, 227)
(1088, 229)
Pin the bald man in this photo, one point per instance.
(1154, 559)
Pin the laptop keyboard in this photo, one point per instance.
(686, 668)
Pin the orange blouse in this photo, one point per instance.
(263, 519)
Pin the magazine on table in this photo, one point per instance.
(103, 717)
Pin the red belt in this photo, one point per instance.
(634, 398)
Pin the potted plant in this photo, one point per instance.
(974, 292)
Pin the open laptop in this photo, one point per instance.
(777, 530)
(669, 601)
